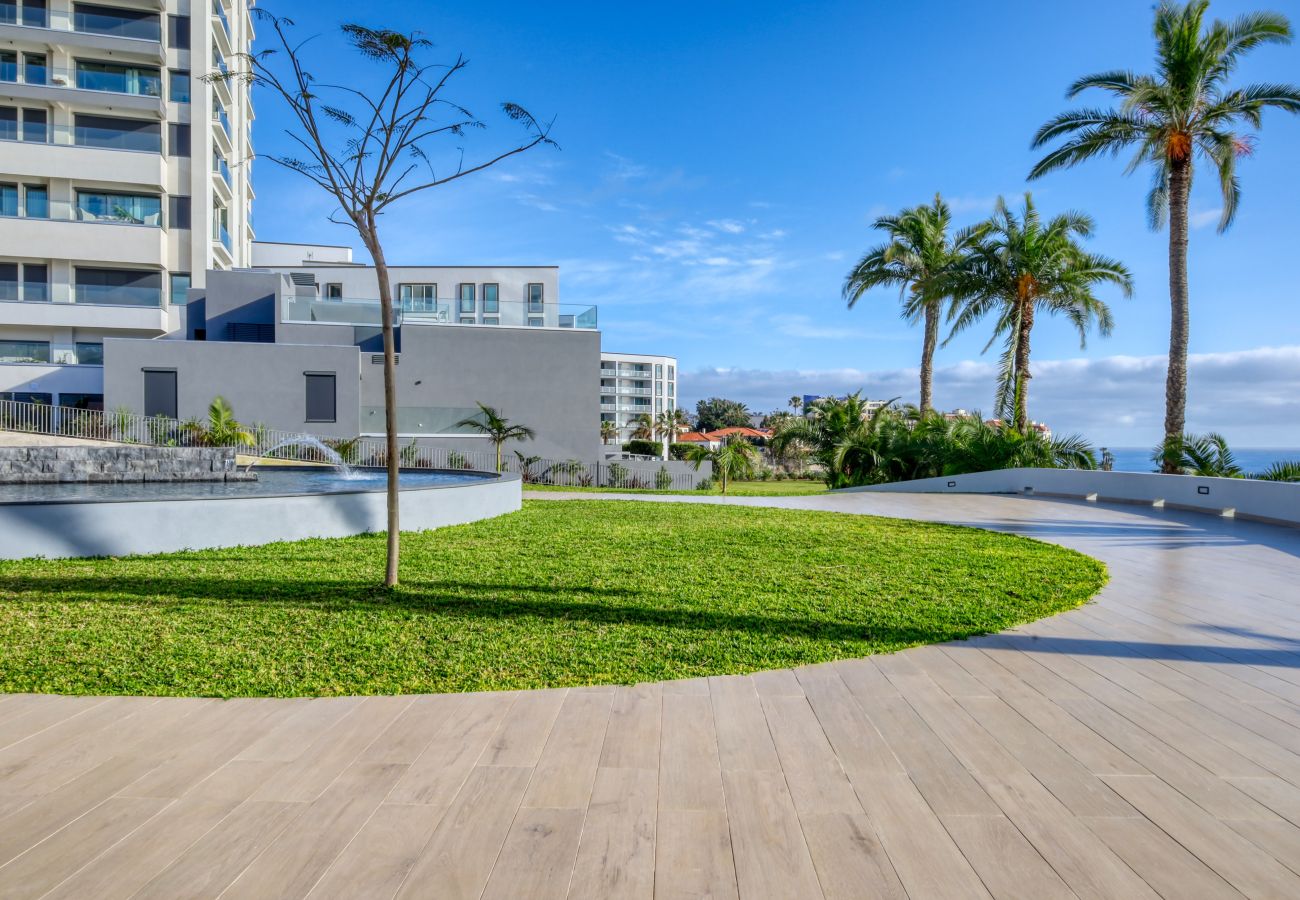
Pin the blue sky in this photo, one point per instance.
(721, 163)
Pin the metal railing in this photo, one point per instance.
(125, 427)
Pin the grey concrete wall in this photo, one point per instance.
(243, 297)
(540, 377)
(1244, 497)
(47, 465)
(263, 382)
(159, 526)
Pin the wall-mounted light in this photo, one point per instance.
(1202, 489)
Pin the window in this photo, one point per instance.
(8, 123)
(36, 282)
(659, 387)
(119, 78)
(672, 373)
(36, 126)
(33, 15)
(120, 134)
(320, 396)
(8, 199)
(178, 212)
(133, 209)
(36, 69)
(491, 299)
(118, 287)
(114, 20)
(221, 225)
(178, 32)
(180, 288)
(160, 392)
(418, 297)
(178, 140)
(178, 86)
(9, 281)
(535, 321)
(8, 65)
(467, 299)
(534, 298)
(465, 320)
(334, 291)
(24, 351)
(81, 401)
(659, 371)
(491, 320)
(90, 354)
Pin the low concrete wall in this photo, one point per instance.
(48, 465)
(68, 529)
(1243, 497)
(26, 439)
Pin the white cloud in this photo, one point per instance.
(964, 203)
(1252, 396)
(730, 226)
(1206, 217)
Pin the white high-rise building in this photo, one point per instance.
(124, 176)
(634, 384)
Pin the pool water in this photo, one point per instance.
(270, 483)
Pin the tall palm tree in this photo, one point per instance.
(1183, 112)
(668, 425)
(608, 431)
(796, 403)
(918, 258)
(498, 429)
(1022, 266)
(643, 427)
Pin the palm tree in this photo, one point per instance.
(1022, 266)
(734, 458)
(643, 427)
(796, 403)
(1185, 111)
(919, 259)
(608, 431)
(1207, 455)
(668, 424)
(221, 429)
(498, 429)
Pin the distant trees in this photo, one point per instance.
(734, 459)
(608, 432)
(717, 412)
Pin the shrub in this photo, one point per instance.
(679, 450)
(617, 475)
(640, 447)
(663, 479)
(704, 484)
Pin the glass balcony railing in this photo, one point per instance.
(224, 236)
(421, 419)
(219, 167)
(104, 78)
(421, 311)
(124, 23)
(118, 295)
(219, 116)
(220, 13)
(81, 136)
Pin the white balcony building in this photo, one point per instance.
(124, 176)
(635, 384)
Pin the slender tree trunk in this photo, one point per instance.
(927, 355)
(390, 399)
(1022, 374)
(498, 457)
(1180, 180)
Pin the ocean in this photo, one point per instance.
(1251, 460)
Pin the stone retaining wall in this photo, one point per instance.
(40, 465)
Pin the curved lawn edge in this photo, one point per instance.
(560, 594)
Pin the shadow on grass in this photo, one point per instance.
(481, 602)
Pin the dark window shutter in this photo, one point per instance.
(160, 392)
(320, 396)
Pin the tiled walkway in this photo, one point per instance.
(1147, 744)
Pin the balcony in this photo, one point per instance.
(57, 153)
(105, 89)
(222, 32)
(113, 311)
(416, 311)
(136, 37)
(60, 237)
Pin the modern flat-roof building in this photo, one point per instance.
(633, 384)
(124, 177)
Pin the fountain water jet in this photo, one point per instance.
(331, 455)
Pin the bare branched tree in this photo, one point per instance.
(368, 150)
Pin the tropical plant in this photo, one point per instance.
(458, 460)
(608, 432)
(717, 412)
(976, 445)
(222, 429)
(663, 479)
(348, 449)
(525, 465)
(639, 447)
(1183, 112)
(643, 427)
(796, 402)
(668, 425)
(735, 458)
(618, 475)
(1285, 470)
(919, 258)
(498, 430)
(1207, 455)
(369, 149)
(1021, 267)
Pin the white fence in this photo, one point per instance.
(1245, 497)
(129, 428)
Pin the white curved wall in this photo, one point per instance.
(67, 529)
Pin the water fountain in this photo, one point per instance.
(331, 455)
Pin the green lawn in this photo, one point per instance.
(561, 593)
(735, 489)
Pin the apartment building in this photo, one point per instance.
(124, 176)
(635, 384)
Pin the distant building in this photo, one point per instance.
(635, 384)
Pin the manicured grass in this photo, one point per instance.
(561, 593)
(788, 488)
